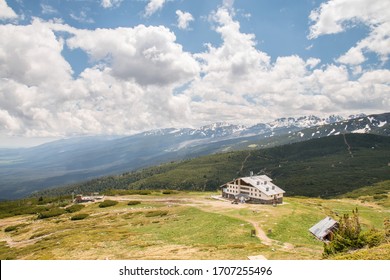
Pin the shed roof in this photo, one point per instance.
(323, 227)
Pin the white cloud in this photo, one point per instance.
(353, 57)
(47, 9)
(241, 83)
(82, 17)
(183, 19)
(153, 6)
(147, 55)
(33, 61)
(110, 3)
(6, 12)
(128, 88)
(228, 3)
(133, 74)
(336, 16)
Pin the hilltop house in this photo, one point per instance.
(324, 229)
(83, 199)
(253, 189)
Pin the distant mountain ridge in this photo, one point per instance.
(225, 129)
(23, 171)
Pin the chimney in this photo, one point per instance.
(251, 173)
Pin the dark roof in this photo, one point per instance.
(322, 228)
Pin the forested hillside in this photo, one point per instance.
(324, 167)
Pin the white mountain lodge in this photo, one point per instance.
(253, 189)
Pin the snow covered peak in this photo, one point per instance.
(279, 126)
(305, 121)
(356, 116)
(218, 129)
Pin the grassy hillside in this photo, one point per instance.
(377, 193)
(325, 167)
(179, 225)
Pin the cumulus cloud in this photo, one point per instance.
(129, 86)
(6, 12)
(153, 6)
(147, 55)
(337, 16)
(110, 3)
(131, 81)
(241, 82)
(183, 19)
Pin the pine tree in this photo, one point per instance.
(348, 235)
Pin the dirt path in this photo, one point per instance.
(348, 146)
(11, 243)
(212, 205)
(217, 203)
(243, 163)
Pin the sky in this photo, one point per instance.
(115, 67)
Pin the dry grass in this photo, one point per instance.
(184, 226)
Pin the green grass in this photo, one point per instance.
(29, 206)
(375, 189)
(164, 227)
(194, 226)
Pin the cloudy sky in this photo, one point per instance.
(88, 67)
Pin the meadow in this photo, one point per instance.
(178, 225)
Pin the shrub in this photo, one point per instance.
(143, 192)
(10, 228)
(112, 192)
(74, 208)
(386, 226)
(166, 192)
(133, 202)
(79, 217)
(347, 236)
(156, 213)
(108, 203)
(350, 237)
(380, 196)
(51, 213)
(373, 238)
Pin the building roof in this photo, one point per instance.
(323, 227)
(264, 184)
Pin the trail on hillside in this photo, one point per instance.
(243, 163)
(348, 146)
(223, 204)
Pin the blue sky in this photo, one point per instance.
(87, 67)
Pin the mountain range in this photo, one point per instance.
(25, 171)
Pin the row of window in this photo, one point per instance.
(244, 192)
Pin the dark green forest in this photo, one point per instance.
(326, 167)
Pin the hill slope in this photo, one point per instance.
(23, 171)
(324, 167)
